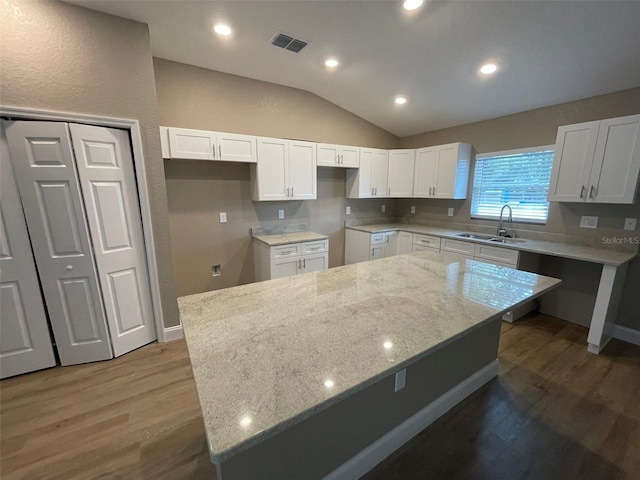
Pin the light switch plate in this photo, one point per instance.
(280, 214)
(223, 217)
(383, 209)
(413, 209)
(450, 212)
(630, 223)
(348, 210)
(589, 222)
(401, 379)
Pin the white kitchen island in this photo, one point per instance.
(297, 376)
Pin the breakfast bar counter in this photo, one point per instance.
(296, 376)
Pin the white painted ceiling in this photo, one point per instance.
(549, 52)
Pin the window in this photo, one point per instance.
(518, 178)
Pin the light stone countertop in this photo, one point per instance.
(267, 355)
(287, 238)
(565, 250)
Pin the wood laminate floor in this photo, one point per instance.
(555, 412)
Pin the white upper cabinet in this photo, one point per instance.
(401, 166)
(370, 180)
(330, 155)
(189, 144)
(442, 171)
(597, 162)
(286, 170)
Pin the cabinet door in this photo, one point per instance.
(391, 244)
(405, 243)
(614, 176)
(424, 179)
(446, 172)
(575, 148)
(236, 148)
(192, 144)
(380, 173)
(350, 157)
(271, 176)
(314, 263)
(365, 185)
(327, 154)
(377, 251)
(285, 267)
(302, 173)
(401, 165)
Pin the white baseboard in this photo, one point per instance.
(626, 334)
(368, 458)
(173, 333)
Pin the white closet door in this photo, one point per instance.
(43, 164)
(25, 343)
(107, 179)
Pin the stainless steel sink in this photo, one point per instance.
(476, 236)
(507, 240)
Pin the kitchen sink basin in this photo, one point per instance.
(507, 240)
(476, 236)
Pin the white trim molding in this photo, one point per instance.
(173, 333)
(626, 334)
(133, 126)
(370, 456)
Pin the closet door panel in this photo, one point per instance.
(43, 163)
(25, 343)
(107, 179)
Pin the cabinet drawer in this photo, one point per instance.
(427, 241)
(378, 238)
(284, 251)
(456, 246)
(496, 254)
(315, 247)
(421, 248)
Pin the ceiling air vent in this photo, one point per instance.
(288, 42)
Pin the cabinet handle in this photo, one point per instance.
(582, 191)
(299, 264)
(372, 191)
(591, 194)
(219, 151)
(304, 263)
(389, 190)
(314, 249)
(434, 191)
(372, 252)
(213, 150)
(68, 268)
(287, 192)
(429, 191)
(291, 192)
(376, 192)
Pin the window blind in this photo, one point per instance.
(518, 178)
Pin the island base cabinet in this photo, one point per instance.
(338, 442)
(291, 259)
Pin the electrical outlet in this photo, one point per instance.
(413, 209)
(630, 223)
(280, 214)
(589, 222)
(216, 271)
(450, 212)
(348, 210)
(383, 208)
(223, 217)
(401, 379)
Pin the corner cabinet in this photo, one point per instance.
(286, 170)
(330, 155)
(189, 144)
(442, 171)
(401, 167)
(370, 180)
(597, 162)
(291, 259)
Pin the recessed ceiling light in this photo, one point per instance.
(331, 62)
(400, 100)
(488, 68)
(221, 29)
(412, 4)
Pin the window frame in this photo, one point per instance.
(504, 153)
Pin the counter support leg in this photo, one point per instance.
(605, 311)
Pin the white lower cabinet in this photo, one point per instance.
(291, 259)
(390, 244)
(405, 242)
(363, 246)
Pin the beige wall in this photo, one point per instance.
(529, 129)
(61, 57)
(193, 97)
